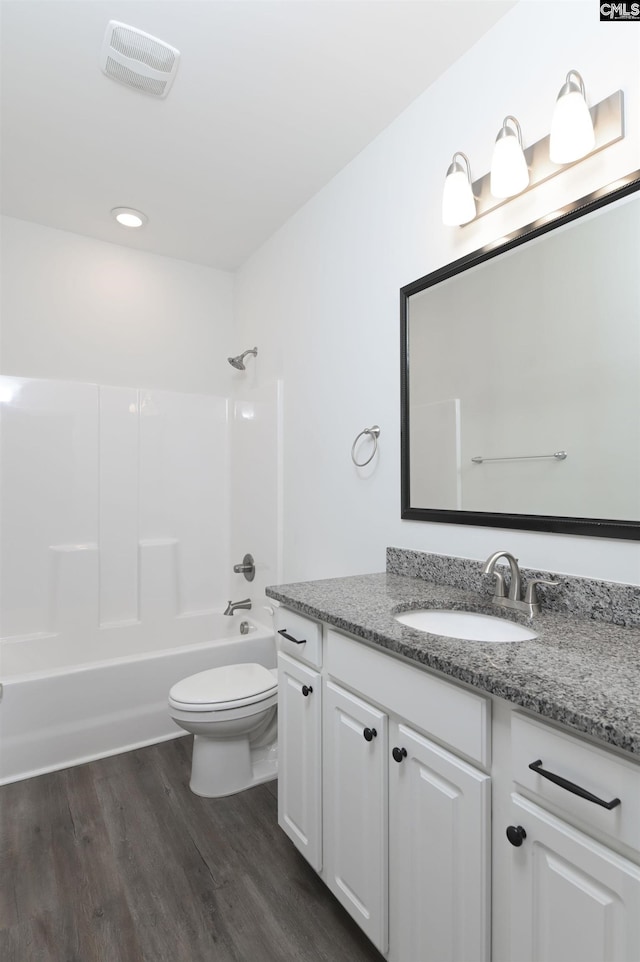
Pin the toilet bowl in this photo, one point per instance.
(232, 712)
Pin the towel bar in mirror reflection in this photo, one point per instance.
(558, 456)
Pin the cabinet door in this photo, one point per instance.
(299, 757)
(439, 853)
(573, 899)
(355, 807)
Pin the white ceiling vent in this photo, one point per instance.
(137, 59)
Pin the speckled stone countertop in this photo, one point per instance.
(580, 672)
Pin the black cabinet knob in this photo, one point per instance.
(399, 754)
(516, 835)
(369, 734)
(307, 690)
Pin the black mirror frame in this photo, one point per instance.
(593, 527)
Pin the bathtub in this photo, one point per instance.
(69, 713)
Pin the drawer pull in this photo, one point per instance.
(571, 786)
(369, 733)
(399, 754)
(307, 690)
(283, 632)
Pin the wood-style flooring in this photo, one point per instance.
(117, 861)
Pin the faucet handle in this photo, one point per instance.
(531, 594)
(246, 568)
(500, 589)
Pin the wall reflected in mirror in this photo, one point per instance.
(518, 356)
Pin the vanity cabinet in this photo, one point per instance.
(439, 853)
(299, 751)
(573, 896)
(300, 733)
(404, 828)
(355, 813)
(386, 776)
(414, 865)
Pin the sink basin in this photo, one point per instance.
(466, 625)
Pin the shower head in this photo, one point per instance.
(238, 362)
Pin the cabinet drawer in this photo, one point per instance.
(597, 771)
(458, 718)
(305, 636)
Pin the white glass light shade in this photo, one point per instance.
(509, 171)
(458, 203)
(572, 135)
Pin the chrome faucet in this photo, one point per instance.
(531, 603)
(516, 581)
(233, 606)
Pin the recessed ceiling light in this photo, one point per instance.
(129, 217)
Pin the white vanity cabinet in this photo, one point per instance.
(574, 897)
(300, 733)
(385, 787)
(355, 809)
(439, 852)
(300, 759)
(405, 821)
(421, 859)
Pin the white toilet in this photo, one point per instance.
(232, 711)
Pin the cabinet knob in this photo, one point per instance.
(516, 835)
(369, 734)
(399, 754)
(307, 690)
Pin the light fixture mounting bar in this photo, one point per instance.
(608, 125)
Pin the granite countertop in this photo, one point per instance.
(582, 673)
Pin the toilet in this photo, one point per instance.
(232, 712)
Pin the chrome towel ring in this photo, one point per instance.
(374, 434)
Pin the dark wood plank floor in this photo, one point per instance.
(117, 861)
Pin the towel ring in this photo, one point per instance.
(374, 434)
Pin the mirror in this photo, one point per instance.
(521, 377)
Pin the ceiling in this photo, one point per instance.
(271, 99)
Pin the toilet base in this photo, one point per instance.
(228, 766)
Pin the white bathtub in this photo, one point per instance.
(66, 714)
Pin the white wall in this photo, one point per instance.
(80, 309)
(320, 298)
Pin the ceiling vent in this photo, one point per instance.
(138, 60)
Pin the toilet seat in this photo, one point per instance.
(223, 689)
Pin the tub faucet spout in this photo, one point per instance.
(244, 605)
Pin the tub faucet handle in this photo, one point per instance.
(246, 568)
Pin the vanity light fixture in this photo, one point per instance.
(458, 202)
(577, 131)
(572, 134)
(509, 171)
(129, 218)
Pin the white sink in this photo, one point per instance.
(465, 624)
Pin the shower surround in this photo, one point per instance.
(115, 509)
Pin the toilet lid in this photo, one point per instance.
(228, 686)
